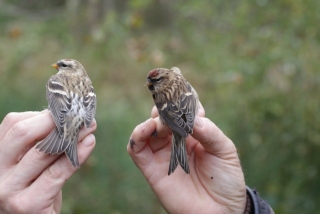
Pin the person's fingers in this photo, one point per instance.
(137, 149)
(22, 136)
(57, 203)
(161, 130)
(34, 161)
(154, 112)
(213, 139)
(85, 131)
(50, 182)
(140, 135)
(12, 118)
(160, 137)
(201, 112)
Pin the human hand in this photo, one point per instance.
(216, 181)
(31, 181)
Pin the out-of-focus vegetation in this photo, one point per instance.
(255, 65)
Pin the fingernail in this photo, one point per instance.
(198, 122)
(154, 133)
(88, 141)
(132, 143)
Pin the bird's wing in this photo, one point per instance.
(59, 101)
(90, 103)
(180, 116)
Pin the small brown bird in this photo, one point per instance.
(72, 103)
(177, 103)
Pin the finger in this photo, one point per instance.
(154, 112)
(140, 135)
(201, 112)
(213, 139)
(57, 203)
(34, 161)
(12, 118)
(160, 137)
(85, 131)
(137, 149)
(50, 182)
(22, 136)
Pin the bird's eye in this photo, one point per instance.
(64, 65)
(160, 78)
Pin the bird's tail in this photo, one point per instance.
(52, 144)
(178, 154)
(55, 143)
(72, 154)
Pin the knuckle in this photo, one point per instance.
(19, 205)
(54, 173)
(10, 118)
(20, 129)
(15, 206)
(3, 195)
(36, 156)
(11, 204)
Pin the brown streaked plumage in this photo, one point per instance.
(177, 104)
(72, 103)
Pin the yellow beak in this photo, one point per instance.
(148, 83)
(55, 65)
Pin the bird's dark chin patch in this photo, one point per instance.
(151, 87)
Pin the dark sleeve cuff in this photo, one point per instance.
(255, 204)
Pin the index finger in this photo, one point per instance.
(137, 149)
(22, 136)
(12, 118)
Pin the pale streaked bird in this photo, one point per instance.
(177, 103)
(72, 103)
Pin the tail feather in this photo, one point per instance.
(178, 154)
(44, 144)
(52, 143)
(72, 154)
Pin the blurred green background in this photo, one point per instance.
(254, 63)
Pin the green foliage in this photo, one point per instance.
(254, 64)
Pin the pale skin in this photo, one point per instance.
(31, 181)
(215, 184)
(216, 181)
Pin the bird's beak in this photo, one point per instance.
(55, 65)
(148, 83)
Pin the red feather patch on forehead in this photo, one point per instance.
(153, 73)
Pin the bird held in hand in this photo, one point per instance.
(72, 103)
(177, 103)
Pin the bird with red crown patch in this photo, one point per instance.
(177, 103)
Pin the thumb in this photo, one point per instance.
(213, 139)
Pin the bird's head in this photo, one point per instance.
(70, 66)
(158, 79)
